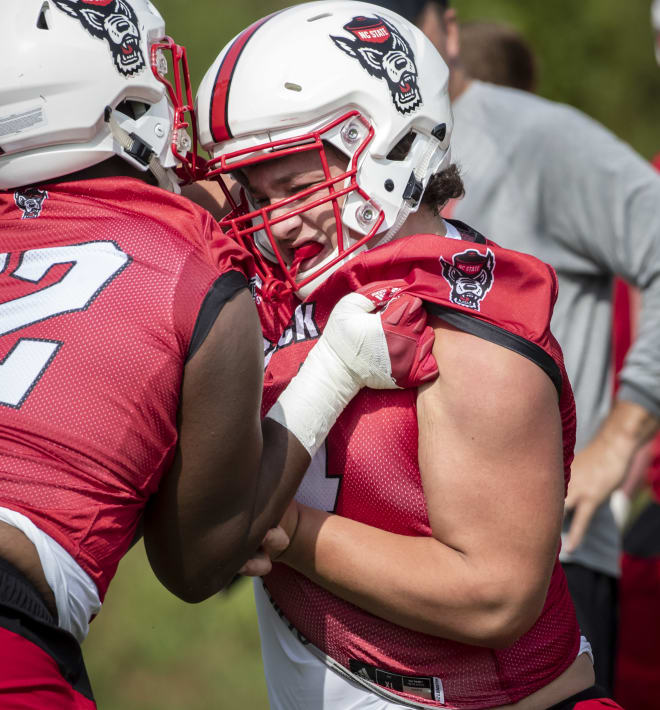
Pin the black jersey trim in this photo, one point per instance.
(499, 336)
(468, 234)
(24, 612)
(223, 288)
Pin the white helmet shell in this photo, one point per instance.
(63, 62)
(297, 70)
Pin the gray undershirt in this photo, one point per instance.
(543, 178)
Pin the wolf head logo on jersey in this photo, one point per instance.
(30, 200)
(470, 277)
(385, 54)
(115, 22)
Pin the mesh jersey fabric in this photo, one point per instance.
(368, 470)
(101, 284)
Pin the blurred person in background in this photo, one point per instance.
(499, 54)
(655, 21)
(544, 178)
(131, 356)
(637, 679)
(423, 567)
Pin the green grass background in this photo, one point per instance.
(148, 651)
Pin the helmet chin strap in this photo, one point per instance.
(264, 246)
(410, 205)
(142, 153)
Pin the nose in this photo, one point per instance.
(288, 228)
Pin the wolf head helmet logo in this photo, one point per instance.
(115, 22)
(384, 53)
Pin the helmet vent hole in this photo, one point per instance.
(319, 17)
(402, 148)
(133, 109)
(292, 87)
(43, 21)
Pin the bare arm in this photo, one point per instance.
(209, 195)
(602, 466)
(229, 481)
(233, 477)
(491, 462)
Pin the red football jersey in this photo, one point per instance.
(102, 285)
(368, 470)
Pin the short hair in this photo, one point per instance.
(498, 53)
(442, 187)
(410, 9)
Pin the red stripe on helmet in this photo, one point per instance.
(219, 119)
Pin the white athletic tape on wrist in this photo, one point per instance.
(352, 353)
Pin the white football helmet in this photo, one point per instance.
(655, 21)
(339, 72)
(83, 80)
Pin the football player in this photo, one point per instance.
(130, 351)
(422, 569)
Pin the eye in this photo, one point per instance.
(259, 201)
(306, 186)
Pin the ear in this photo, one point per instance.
(452, 34)
(64, 5)
(345, 45)
(94, 18)
(125, 9)
(449, 271)
(453, 273)
(372, 61)
(398, 42)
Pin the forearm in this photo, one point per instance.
(282, 468)
(415, 582)
(604, 464)
(625, 430)
(196, 543)
(240, 474)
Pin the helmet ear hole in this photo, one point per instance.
(43, 21)
(133, 109)
(402, 148)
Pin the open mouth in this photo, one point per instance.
(128, 47)
(406, 88)
(466, 299)
(305, 256)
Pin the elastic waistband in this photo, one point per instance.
(19, 594)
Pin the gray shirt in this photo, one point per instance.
(543, 178)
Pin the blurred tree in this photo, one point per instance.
(594, 54)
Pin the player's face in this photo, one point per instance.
(315, 229)
(441, 27)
